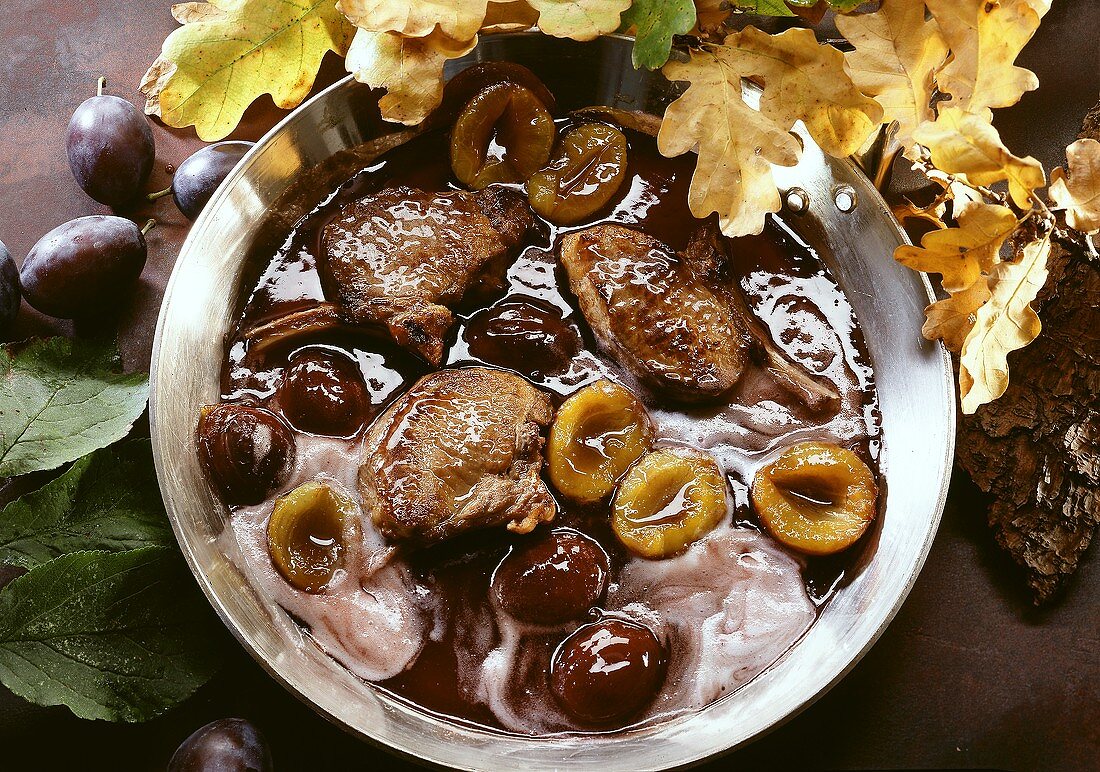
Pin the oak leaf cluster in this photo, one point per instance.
(931, 71)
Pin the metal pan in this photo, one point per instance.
(299, 162)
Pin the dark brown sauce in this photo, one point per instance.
(653, 198)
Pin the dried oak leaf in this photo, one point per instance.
(961, 255)
(655, 22)
(952, 318)
(967, 144)
(457, 19)
(230, 52)
(809, 82)
(895, 58)
(1004, 324)
(932, 214)
(1079, 193)
(579, 19)
(711, 15)
(510, 16)
(803, 81)
(735, 143)
(409, 69)
(188, 13)
(985, 37)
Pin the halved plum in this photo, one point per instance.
(504, 134)
(669, 499)
(305, 534)
(817, 498)
(596, 435)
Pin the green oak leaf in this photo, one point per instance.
(108, 500)
(61, 399)
(655, 22)
(120, 636)
(839, 5)
(846, 5)
(765, 7)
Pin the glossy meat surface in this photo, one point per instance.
(655, 312)
(460, 450)
(401, 256)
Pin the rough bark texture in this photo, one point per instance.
(1037, 448)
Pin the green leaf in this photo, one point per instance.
(655, 22)
(62, 399)
(765, 7)
(839, 5)
(115, 636)
(108, 500)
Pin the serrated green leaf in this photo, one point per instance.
(108, 500)
(837, 5)
(846, 5)
(655, 22)
(765, 7)
(62, 399)
(118, 636)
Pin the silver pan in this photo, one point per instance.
(298, 163)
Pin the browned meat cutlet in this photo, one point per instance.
(678, 321)
(402, 256)
(461, 449)
(652, 314)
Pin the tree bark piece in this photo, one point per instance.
(1037, 448)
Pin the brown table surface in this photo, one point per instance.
(968, 674)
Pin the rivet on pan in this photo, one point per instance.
(796, 200)
(845, 198)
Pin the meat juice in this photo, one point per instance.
(450, 671)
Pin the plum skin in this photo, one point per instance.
(110, 148)
(247, 451)
(84, 266)
(199, 176)
(10, 293)
(323, 394)
(226, 745)
(608, 671)
(552, 578)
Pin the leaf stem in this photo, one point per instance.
(945, 180)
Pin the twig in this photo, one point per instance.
(924, 163)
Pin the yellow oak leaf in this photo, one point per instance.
(1079, 193)
(511, 16)
(736, 144)
(806, 81)
(457, 19)
(985, 37)
(952, 318)
(932, 214)
(967, 144)
(961, 255)
(1005, 323)
(409, 69)
(187, 13)
(230, 52)
(711, 15)
(895, 58)
(579, 19)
